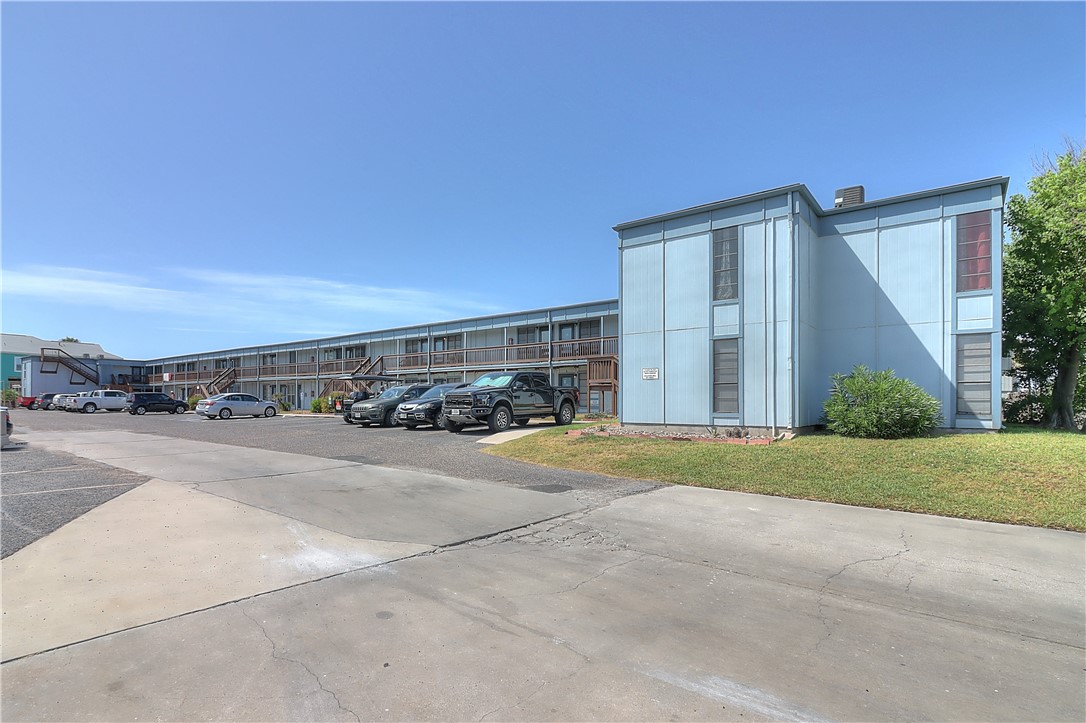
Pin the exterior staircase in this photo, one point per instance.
(346, 386)
(53, 358)
(219, 383)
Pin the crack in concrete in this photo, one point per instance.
(822, 592)
(305, 667)
(524, 699)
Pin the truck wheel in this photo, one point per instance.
(89, 408)
(565, 414)
(523, 421)
(499, 419)
(452, 426)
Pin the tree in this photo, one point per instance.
(1044, 281)
(72, 339)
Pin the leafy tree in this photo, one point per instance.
(1044, 281)
(71, 339)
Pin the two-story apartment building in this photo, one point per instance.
(737, 313)
(577, 345)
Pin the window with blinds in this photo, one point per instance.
(975, 251)
(726, 376)
(974, 375)
(726, 264)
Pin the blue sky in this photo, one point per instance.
(192, 176)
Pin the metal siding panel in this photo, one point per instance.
(642, 401)
(642, 289)
(782, 241)
(776, 206)
(842, 349)
(974, 312)
(922, 209)
(911, 274)
(846, 269)
(977, 199)
(784, 374)
(753, 261)
(738, 215)
(686, 225)
(641, 234)
(752, 358)
(688, 382)
(726, 320)
(687, 286)
(850, 222)
(915, 353)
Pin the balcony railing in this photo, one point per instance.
(493, 356)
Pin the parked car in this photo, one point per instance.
(27, 402)
(60, 400)
(224, 406)
(71, 402)
(344, 405)
(382, 408)
(143, 402)
(43, 401)
(111, 400)
(427, 408)
(497, 399)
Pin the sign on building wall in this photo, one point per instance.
(650, 373)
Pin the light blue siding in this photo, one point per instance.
(738, 215)
(921, 209)
(726, 320)
(974, 313)
(698, 223)
(642, 289)
(910, 274)
(642, 400)
(849, 222)
(688, 267)
(752, 242)
(753, 385)
(641, 234)
(915, 353)
(846, 286)
(976, 199)
(688, 380)
(776, 206)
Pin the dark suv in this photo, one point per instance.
(382, 408)
(143, 402)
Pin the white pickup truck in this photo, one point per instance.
(91, 402)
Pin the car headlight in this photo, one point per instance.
(483, 400)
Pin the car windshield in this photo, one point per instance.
(391, 393)
(437, 392)
(494, 379)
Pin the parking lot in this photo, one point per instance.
(298, 568)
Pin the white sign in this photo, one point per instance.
(650, 373)
(167, 376)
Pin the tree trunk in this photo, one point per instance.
(1063, 391)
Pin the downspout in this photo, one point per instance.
(773, 321)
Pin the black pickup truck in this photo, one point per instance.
(497, 399)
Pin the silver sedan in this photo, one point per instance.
(225, 406)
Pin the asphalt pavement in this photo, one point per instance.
(256, 581)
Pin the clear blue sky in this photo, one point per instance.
(193, 176)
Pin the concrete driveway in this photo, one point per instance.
(241, 584)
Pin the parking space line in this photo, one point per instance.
(72, 489)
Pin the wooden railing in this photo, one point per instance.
(494, 356)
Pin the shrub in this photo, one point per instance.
(319, 406)
(281, 403)
(878, 405)
(1027, 408)
(10, 396)
(193, 399)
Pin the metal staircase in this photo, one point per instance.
(346, 386)
(219, 383)
(56, 358)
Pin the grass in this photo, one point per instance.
(1023, 475)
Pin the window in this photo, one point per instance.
(590, 329)
(525, 335)
(726, 264)
(974, 375)
(566, 332)
(975, 251)
(726, 376)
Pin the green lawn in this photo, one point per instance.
(1022, 475)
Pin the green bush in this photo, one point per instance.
(319, 406)
(10, 396)
(878, 405)
(193, 399)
